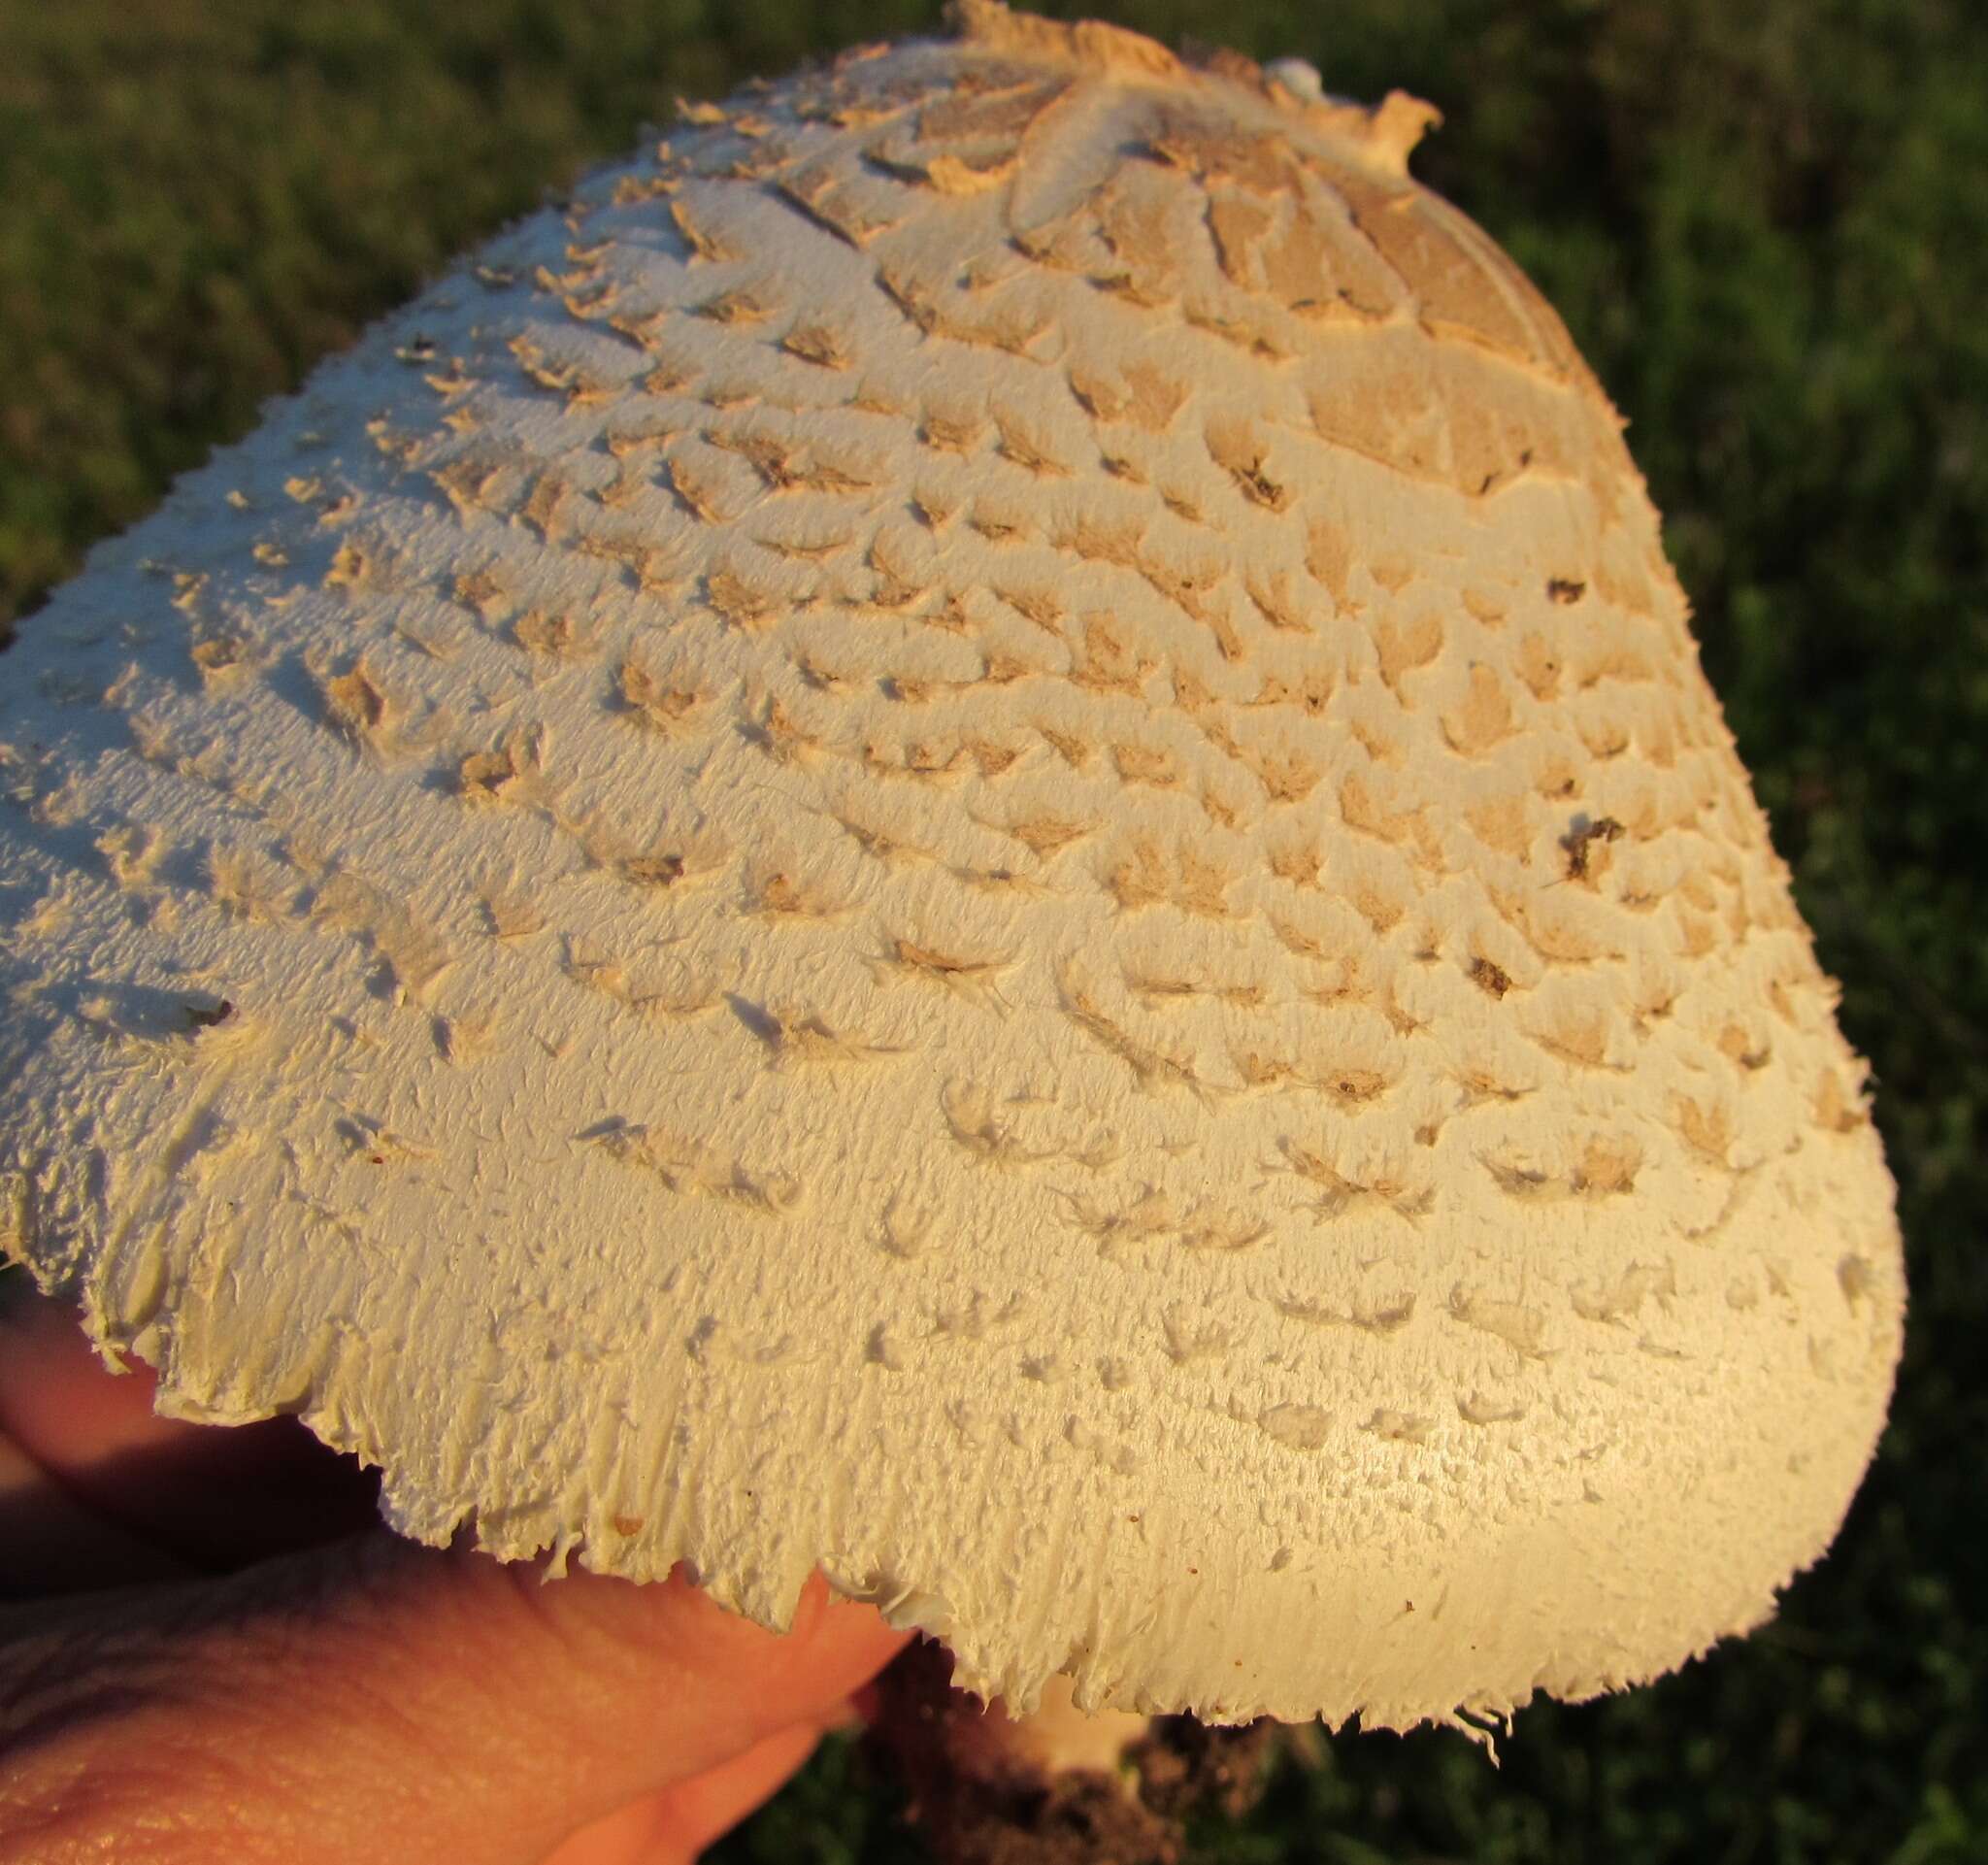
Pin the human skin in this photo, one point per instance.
(208, 1650)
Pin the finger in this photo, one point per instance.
(302, 1709)
(706, 1808)
(673, 1827)
(60, 1397)
(50, 1543)
(164, 1496)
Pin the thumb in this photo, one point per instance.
(376, 1700)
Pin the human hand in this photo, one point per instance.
(207, 1654)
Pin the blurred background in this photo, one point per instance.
(1767, 227)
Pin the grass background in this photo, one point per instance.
(1767, 228)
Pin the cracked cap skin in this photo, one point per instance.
(968, 833)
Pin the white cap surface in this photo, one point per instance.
(968, 834)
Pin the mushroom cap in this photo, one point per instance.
(965, 833)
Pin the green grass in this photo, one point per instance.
(1768, 226)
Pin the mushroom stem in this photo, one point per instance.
(983, 1782)
(1058, 1736)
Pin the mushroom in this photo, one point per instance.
(966, 833)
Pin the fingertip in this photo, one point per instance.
(56, 1387)
(673, 1827)
(703, 1810)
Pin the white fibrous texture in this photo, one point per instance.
(966, 833)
